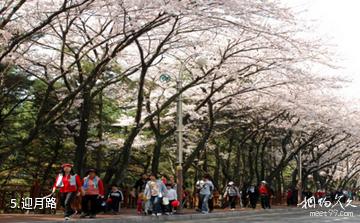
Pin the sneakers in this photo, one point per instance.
(153, 214)
(92, 216)
(83, 215)
(233, 209)
(159, 214)
(67, 218)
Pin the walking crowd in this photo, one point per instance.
(154, 196)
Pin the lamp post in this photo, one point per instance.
(196, 162)
(179, 120)
(179, 123)
(299, 184)
(300, 178)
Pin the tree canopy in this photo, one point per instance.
(82, 81)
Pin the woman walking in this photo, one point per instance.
(69, 184)
(154, 191)
(94, 190)
(232, 193)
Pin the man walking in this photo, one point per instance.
(205, 193)
(264, 195)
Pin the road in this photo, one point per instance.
(276, 215)
(294, 215)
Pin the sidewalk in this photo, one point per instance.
(129, 216)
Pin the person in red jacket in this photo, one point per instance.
(264, 195)
(94, 190)
(69, 184)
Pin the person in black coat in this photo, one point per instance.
(115, 198)
(252, 192)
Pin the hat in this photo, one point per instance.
(231, 183)
(91, 170)
(66, 165)
(263, 182)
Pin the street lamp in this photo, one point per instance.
(200, 61)
(196, 163)
(179, 123)
(297, 143)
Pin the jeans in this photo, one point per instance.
(156, 204)
(65, 201)
(253, 200)
(265, 203)
(204, 202)
(232, 201)
(115, 204)
(93, 204)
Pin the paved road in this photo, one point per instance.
(294, 215)
(276, 215)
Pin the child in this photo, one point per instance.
(116, 197)
(140, 203)
(171, 196)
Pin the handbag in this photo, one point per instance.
(165, 201)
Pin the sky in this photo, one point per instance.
(338, 22)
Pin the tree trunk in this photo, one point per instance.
(217, 163)
(156, 155)
(53, 160)
(99, 154)
(81, 139)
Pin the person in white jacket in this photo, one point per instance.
(170, 196)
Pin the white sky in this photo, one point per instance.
(337, 20)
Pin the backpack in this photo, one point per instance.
(232, 191)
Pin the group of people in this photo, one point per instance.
(153, 195)
(249, 196)
(156, 196)
(90, 188)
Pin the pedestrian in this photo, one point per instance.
(139, 187)
(199, 184)
(289, 197)
(253, 195)
(154, 191)
(173, 182)
(94, 190)
(171, 196)
(140, 204)
(70, 186)
(165, 202)
(116, 197)
(244, 194)
(264, 195)
(164, 179)
(205, 194)
(232, 194)
(307, 193)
